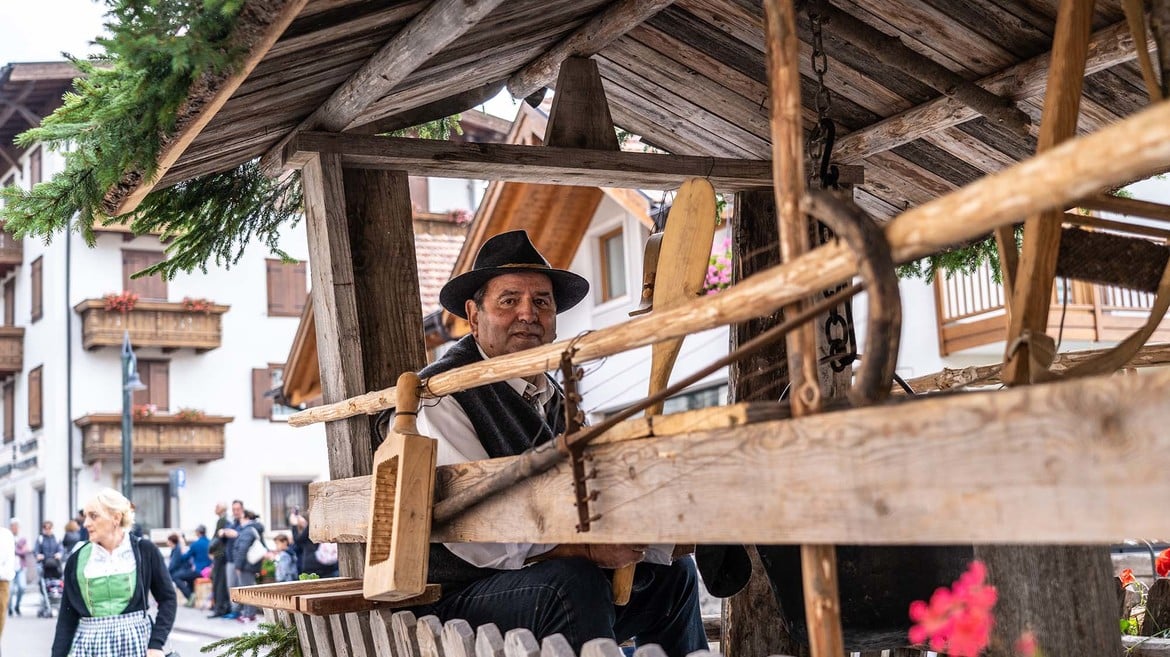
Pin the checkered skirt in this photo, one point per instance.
(125, 635)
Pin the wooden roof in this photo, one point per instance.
(28, 93)
(690, 80)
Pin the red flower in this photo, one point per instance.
(958, 620)
(1127, 577)
(1162, 564)
(1026, 644)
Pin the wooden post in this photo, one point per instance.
(754, 622)
(821, 606)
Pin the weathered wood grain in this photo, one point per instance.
(458, 638)
(520, 642)
(403, 625)
(1075, 452)
(430, 642)
(488, 641)
(589, 39)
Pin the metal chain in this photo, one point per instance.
(822, 99)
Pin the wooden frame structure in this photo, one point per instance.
(726, 88)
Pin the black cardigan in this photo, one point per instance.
(152, 576)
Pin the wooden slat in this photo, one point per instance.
(337, 602)
(591, 38)
(528, 163)
(1066, 450)
(1134, 148)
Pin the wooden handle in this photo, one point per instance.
(623, 584)
(406, 391)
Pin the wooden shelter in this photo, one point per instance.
(928, 96)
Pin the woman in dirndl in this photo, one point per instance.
(104, 611)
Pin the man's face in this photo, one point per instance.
(219, 509)
(14, 527)
(237, 510)
(519, 312)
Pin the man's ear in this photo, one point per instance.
(472, 312)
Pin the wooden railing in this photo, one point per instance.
(165, 324)
(11, 251)
(970, 311)
(166, 437)
(11, 349)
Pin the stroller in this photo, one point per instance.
(52, 587)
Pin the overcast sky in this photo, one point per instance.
(40, 30)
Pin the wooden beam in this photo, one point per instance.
(267, 20)
(25, 113)
(431, 111)
(1160, 27)
(9, 108)
(541, 164)
(589, 39)
(1032, 291)
(335, 313)
(1066, 451)
(427, 34)
(9, 157)
(1151, 355)
(891, 50)
(1134, 148)
(1130, 207)
(580, 117)
(1107, 48)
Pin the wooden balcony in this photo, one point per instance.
(11, 350)
(164, 324)
(971, 312)
(11, 251)
(163, 437)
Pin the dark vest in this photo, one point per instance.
(506, 425)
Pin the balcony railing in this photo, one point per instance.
(971, 311)
(11, 251)
(165, 324)
(11, 349)
(163, 437)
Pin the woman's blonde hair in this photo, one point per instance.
(115, 502)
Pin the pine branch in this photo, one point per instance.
(279, 640)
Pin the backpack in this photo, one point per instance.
(326, 554)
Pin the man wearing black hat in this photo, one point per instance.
(511, 298)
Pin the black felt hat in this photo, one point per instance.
(510, 253)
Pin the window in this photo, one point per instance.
(286, 288)
(149, 287)
(283, 497)
(35, 406)
(152, 508)
(156, 375)
(693, 399)
(9, 412)
(11, 508)
(37, 286)
(34, 167)
(264, 381)
(419, 196)
(10, 302)
(613, 265)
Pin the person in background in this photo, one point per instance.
(7, 571)
(313, 559)
(286, 565)
(107, 580)
(21, 552)
(181, 567)
(219, 565)
(47, 544)
(250, 532)
(199, 551)
(80, 520)
(72, 536)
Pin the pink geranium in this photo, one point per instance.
(958, 620)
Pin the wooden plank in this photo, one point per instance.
(430, 642)
(337, 629)
(602, 647)
(283, 595)
(555, 645)
(580, 117)
(488, 641)
(267, 20)
(339, 602)
(335, 313)
(1032, 291)
(519, 642)
(1067, 450)
(589, 39)
(458, 638)
(403, 624)
(1130, 207)
(1107, 48)
(1144, 646)
(321, 634)
(361, 639)
(382, 633)
(1134, 148)
(543, 164)
(305, 636)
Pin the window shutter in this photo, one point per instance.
(273, 282)
(10, 302)
(34, 397)
(151, 287)
(297, 288)
(37, 288)
(261, 404)
(159, 385)
(34, 167)
(9, 413)
(286, 288)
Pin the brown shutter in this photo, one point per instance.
(34, 397)
(9, 413)
(298, 289)
(10, 302)
(34, 167)
(272, 279)
(286, 288)
(160, 384)
(261, 403)
(151, 287)
(37, 307)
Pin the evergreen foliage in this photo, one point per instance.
(963, 260)
(278, 640)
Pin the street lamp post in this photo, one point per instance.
(130, 383)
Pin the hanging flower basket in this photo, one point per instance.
(122, 302)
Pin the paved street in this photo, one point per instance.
(29, 636)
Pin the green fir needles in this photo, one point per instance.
(276, 640)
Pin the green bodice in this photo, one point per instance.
(104, 596)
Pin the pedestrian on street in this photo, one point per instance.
(104, 611)
(21, 552)
(217, 548)
(7, 571)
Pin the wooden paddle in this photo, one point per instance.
(403, 494)
(682, 268)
